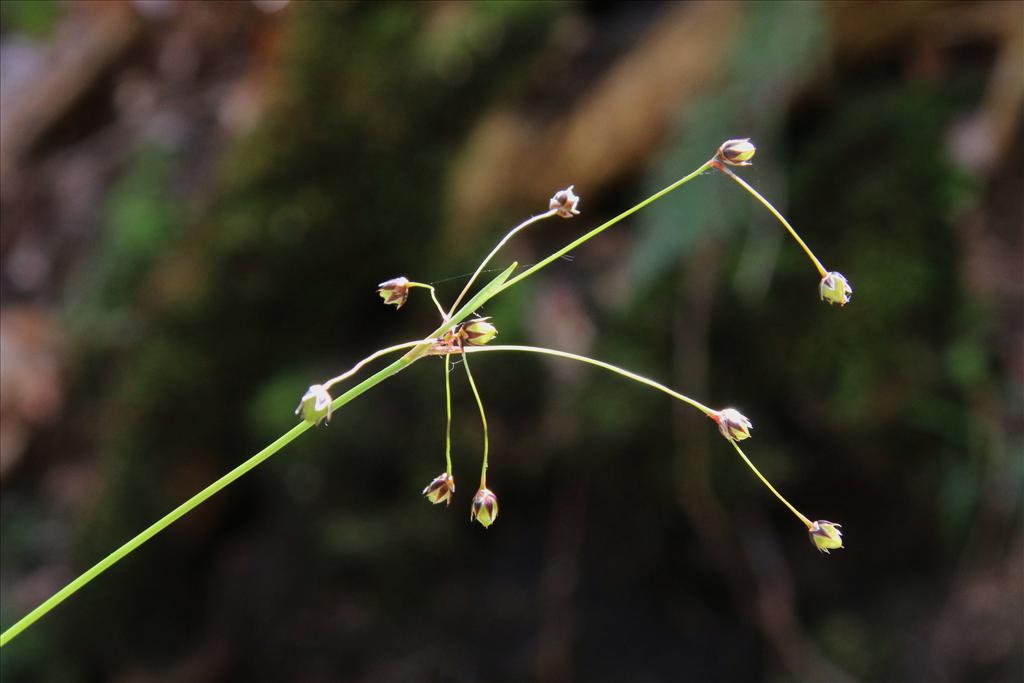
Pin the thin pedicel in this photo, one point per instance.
(833, 287)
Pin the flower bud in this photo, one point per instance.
(315, 405)
(835, 289)
(394, 291)
(441, 489)
(826, 536)
(484, 508)
(733, 425)
(737, 152)
(565, 202)
(479, 331)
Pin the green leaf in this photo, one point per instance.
(481, 297)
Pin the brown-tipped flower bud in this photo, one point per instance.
(835, 289)
(394, 291)
(441, 489)
(737, 152)
(733, 424)
(565, 202)
(479, 331)
(826, 536)
(315, 405)
(484, 508)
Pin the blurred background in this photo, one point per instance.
(198, 200)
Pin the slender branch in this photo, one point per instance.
(601, 364)
(642, 380)
(483, 420)
(433, 295)
(373, 356)
(604, 226)
(782, 219)
(506, 238)
(771, 488)
(448, 407)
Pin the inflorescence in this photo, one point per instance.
(475, 334)
(459, 336)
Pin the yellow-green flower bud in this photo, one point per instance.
(315, 405)
(737, 152)
(733, 424)
(394, 291)
(441, 489)
(479, 331)
(835, 289)
(484, 508)
(826, 536)
(564, 202)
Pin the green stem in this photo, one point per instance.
(511, 233)
(448, 407)
(483, 419)
(782, 219)
(771, 488)
(601, 364)
(190, 504)
(604, 226)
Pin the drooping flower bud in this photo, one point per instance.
(565, 202)
(733, 424)
(315, 405)
(737, 152)
(826, 536)
(835, 289)
(479, 331)
(484, 508)
(394, 291)
(441, 489)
